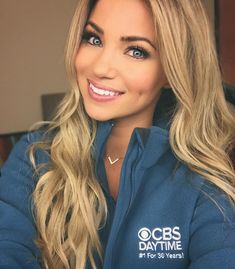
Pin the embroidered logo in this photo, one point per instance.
(160, 243)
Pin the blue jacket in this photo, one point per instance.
(165, 217)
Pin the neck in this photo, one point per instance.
(120, 136)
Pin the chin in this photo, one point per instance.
(98, 116)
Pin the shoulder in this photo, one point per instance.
(20, 151)
(18, 176)
(17, 182)
(18, 167)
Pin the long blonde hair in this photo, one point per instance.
(70, 206)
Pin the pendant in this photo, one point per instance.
(112, 161)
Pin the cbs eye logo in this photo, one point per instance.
(144, 234)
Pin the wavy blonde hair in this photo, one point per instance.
(70, 206)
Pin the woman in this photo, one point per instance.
(129, 173)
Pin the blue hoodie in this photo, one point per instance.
(165, 217)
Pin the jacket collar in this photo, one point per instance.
(154, 141)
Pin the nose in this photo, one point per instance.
(104, 64)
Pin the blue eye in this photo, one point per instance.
(137, 52)
(91, 38)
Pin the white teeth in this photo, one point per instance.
(102, 92)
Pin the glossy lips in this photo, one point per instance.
(102, 94)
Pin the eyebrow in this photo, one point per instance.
(123, 38)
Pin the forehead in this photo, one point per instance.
(124, 17)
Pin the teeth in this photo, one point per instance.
(102, 92)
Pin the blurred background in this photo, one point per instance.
(225, 34)
(32, 75)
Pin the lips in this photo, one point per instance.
(102, 93)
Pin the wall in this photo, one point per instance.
(227, 39)
(33, 35)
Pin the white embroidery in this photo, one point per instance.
(160, 243)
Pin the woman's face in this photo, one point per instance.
(118, 66)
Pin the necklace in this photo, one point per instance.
(113, 161)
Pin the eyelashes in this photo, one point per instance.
(138, 52)
(88, 36)
(93, 39)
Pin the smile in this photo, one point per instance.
(100, 93)
(103, 92)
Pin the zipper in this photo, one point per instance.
(123, 201)
(99, 159)
(131, 200)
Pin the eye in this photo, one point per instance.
(137, 52)
(91, 38)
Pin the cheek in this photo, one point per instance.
(81, 61)
(146, 80)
